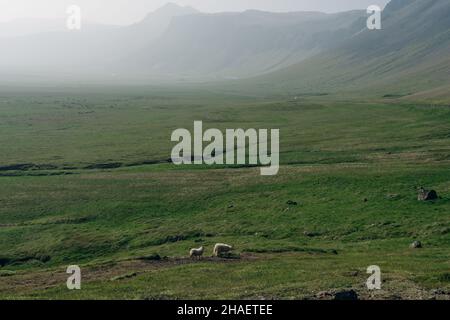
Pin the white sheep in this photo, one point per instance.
(220, 248)
(196, 252)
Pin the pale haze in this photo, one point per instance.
(122, 12)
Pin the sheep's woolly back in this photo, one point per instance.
(221, 248)
(196, 252)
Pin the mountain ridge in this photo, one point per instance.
(290, 53)
(408, 55)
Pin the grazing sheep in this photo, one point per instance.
(220, 248)
(196, 252)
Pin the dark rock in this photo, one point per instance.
(346, 295)
(427, 195)
(291, 203)
(416, 245)
(438, 292)
(324, 295)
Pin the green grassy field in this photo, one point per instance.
(84, 179)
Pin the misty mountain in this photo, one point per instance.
(411, 53)
(86, 52)
(241, 44)
(178, 42)
(295, 53)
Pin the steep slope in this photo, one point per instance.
(409, 54)
(241, 44)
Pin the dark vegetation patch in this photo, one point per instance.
(112, 165)
(7, 273)
(291, 249)
(125, 276)
(27, 166)
(78, 220)
(5, 261)
(396, 95)
(30, 168)
(35, 174)
(313, 94)
(67, 220)
(230, 256)
(151, 257)
(180, 237)
(445, 277)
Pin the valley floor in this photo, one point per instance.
(84, 180)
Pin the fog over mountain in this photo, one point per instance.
(83, 53)
(178, 42)
(234, 45)
(126, 12)
(411, 53)
(300, 50)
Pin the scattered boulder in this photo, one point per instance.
(310, 234)
(291, 203)
(346, 295)
(427, 195)
(324, 295)
(337, 295)
(416, 245)
(439, 292)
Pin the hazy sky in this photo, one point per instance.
(129, 11)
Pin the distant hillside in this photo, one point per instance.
(179, 43)
(266, 53)
(410, 54)
(85, 53)
(233, 45)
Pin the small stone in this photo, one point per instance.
(346, 295)
(324, 295)
(427, 195)
(416, 245)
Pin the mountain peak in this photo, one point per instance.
(161, 17)
(173, 9)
